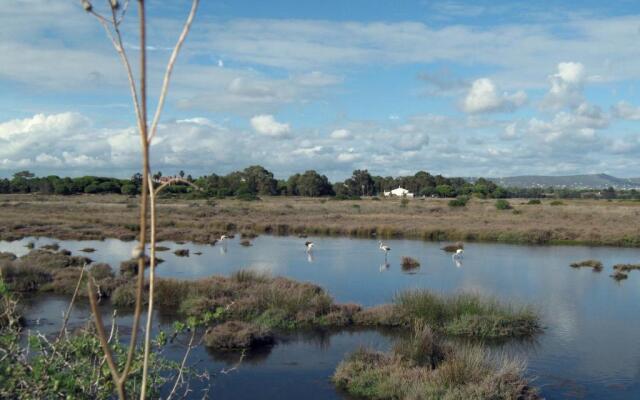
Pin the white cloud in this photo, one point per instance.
(340, 134)
(267, 125)
(625, 110)
(566, 86)
(483, 97)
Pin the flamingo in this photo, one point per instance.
(309, 246)
(384, 248)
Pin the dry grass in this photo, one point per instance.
(626, 267)
(233, 335)
(595, 264)
(409, 263)
(97, 217)
(425, 367)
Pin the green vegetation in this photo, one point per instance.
(460, 201)
(595, 264)
(534, 202)
(425, 367)
(502, 204)
(556, 203)
(467, 315)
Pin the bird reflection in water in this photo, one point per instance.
(310, 257)
(458, 263)
(223, 249)
(384, 267)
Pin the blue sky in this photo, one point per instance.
(452, 87)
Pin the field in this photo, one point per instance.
(96, 217)
(594, 222)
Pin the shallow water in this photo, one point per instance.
(590, 349)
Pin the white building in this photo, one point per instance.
(399, 192)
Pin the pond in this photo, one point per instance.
(590, 349)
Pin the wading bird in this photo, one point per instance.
(309, 246)
(458, 254)
(384, 248)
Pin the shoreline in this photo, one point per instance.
(98, 217)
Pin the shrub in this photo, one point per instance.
(534, 202)
(182, 252)
(460, 201)
(502, 204)
(404, 202)
(556, 203)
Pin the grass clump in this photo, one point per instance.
(626, 267)
(502, 204)
(452, 248)
(467, 315)
(534, 202)
(556, 203)
(234, 335)
(162, 248)
(425, 368)
(409, 263)
(619, 275)
(245, 243)
(595, 264)
(88, 250)
(182, 252)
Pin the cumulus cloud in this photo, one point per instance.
(340, 134)
(267, 125)
(483, 97)
(580, 125)
(566, 86)
(625, 110)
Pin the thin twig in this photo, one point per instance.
(167, 74)
(183, 364)
(73, 299)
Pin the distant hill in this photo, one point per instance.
(592, 181)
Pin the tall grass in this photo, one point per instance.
(467, 314)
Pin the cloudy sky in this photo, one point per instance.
(492, 88)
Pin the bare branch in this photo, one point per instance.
(172, 181)
(106, 349)
(172, 61)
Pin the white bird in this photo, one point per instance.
(458, 254)
(309, 246)
(384, 248)
(223, 238)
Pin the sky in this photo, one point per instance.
(482, 88)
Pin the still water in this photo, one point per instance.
(590, 348)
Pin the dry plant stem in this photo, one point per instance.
(152, 266)
(73, 299)
(103, 340)
(172, 61)
(144, 200)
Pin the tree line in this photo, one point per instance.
(256, 180)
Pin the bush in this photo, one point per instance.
(534, 202)
(460, 201)
(502, 204)
(556, 203)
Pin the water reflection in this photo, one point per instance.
(592, 337)
(310, 257)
